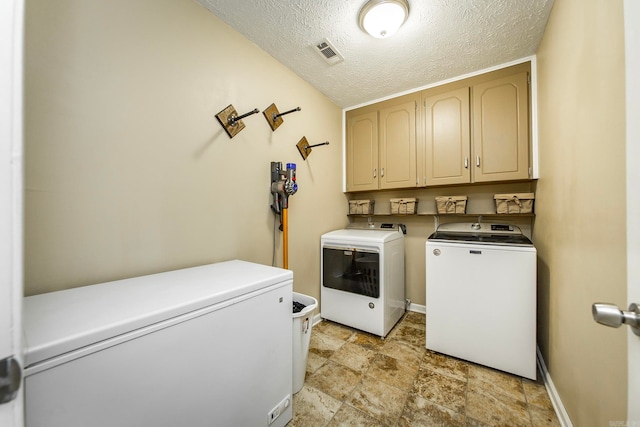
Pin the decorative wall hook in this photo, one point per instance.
(231, 121)
(274, 118)
(305, 149)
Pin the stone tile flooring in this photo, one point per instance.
(357, 379)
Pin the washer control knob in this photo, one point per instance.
(476, 226)
(436, 252)
(372, 305)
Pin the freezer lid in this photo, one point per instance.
(58, 322)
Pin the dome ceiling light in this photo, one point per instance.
(382, 18)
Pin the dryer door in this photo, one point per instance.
(352, 270)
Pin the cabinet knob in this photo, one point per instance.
(382, 172)
(478, 161)
(375, 173)
(466, 163)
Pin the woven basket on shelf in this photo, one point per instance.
(403, 206)
(514, 203)
(451, 204)
(361, 207)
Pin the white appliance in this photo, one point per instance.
(362, 276)
(202, 346)
(481, 296)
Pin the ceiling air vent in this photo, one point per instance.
(328, 52)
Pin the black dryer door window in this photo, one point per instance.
(352, 270)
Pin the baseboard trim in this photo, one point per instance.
(561, 412)
(317, 319)
(417, 308)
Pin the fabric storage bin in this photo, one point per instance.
(403, 206)
(514, 203)
(451, 204)
(361, 207)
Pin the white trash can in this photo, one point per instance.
(302, 324)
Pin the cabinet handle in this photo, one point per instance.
(466, 163)
(478, 161)
(375, 173)
(382, 172)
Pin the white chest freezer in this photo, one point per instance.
(202, 346)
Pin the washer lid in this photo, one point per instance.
(481, 233)
(492, 239)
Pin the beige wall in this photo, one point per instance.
(580, 204)
(128, 171)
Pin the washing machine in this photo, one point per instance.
(481, 295)
(362, 277)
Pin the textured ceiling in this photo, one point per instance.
(441, 39)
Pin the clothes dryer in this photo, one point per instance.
(362, 276)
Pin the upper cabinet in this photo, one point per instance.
(468, 131)
(477, 132)
(381, 145)
(447, 139)
(398, 145)
(362, 151)
(501, 129)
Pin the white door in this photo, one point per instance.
(11, 47)
(632, 59)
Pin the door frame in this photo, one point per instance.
(632, 88)
(11, 194)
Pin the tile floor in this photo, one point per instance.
(357, 379)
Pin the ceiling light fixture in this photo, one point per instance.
(382, 18)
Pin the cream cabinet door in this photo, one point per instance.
(362, 151)
(398, 146)
(447, 138)
(501, 129)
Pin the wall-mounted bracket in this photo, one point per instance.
(274, 118)
(305, 149)
(231, 121)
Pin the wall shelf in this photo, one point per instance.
(467, 215)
